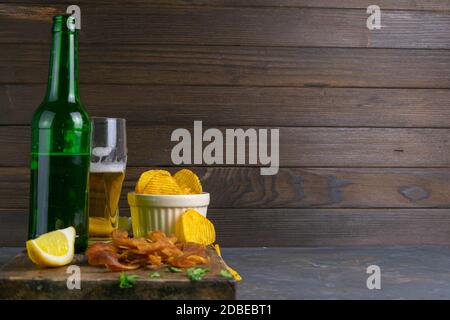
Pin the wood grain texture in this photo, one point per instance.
(363, 115)
(291, 188)
(237, 66)
(21, 279)
(245, 106)
(318, 147)
(335, 272)
(301, 227)
(437, 5)
(293, 27)
(14, 226)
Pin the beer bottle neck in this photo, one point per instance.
(63, 72)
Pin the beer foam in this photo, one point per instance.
(101, 151)
(107, 167)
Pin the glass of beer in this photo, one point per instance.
(107, 172)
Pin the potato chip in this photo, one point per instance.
(188, 261)
(154, 260)
(191, 226)
(145, 178)
(160, 184)
(188, 181)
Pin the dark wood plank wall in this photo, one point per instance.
(364, 115)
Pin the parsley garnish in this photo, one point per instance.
(127, 281)
(226, 274)
(173, 269)
(154, 275)
(196, 274)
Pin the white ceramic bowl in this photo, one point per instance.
(160, 212)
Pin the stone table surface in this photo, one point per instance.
(407, 272)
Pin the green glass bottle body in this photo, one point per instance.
(60, 148)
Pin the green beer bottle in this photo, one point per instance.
(60, 149)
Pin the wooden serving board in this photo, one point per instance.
(21, 279)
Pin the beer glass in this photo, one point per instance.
(107, 172)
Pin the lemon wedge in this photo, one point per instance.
(53, 249)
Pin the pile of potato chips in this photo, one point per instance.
(193, 231)
(157, 249)
(162, 182)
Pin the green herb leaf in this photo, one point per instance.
(154, 275)
(226, 274)
(127, 281)
(196, 274)
(173, 269)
